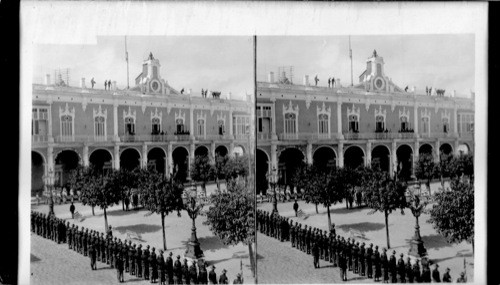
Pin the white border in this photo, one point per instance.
(79, 22)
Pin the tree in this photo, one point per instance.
(313, 182)
(125, 181)
(426, 169)
(202, 171)
(447, 167)
(79, 179)
(218, 169)
(452, 215)
(301, 176)
(347, 179)
(328, 188)
(99, 190)
(385, 194)
(236, 166)
(231, 215)
(160, 195)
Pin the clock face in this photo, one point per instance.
(379, 83)
(155, 86)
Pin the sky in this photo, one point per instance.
(441, 61)
(216, 63)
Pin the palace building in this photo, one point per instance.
(151, 124)
(354, 125)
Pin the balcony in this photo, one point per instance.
(469, 135)
(241, 136)
(128, 138)
(263, 136)
(184, 136)
(438, 135)
(39, 138)
(306, 136)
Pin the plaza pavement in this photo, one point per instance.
(177, 231)
(364, 226)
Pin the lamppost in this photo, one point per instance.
(273, 180)
(49, 182)
(193, 207)
(417, 203)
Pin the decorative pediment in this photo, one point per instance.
(404, 113)
(100, 112)
(67, 111)
(290, 108)
(445, 115)
(200, 115)
(425, 113)
(221, 117)
(380, 112)
(353, 111)
(129, 113)
(323, 109)
(180, 115)
(156, 114)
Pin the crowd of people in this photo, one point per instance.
(350, 255)
(125, 256)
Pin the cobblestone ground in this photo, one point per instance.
(279, 263)
(53, 263)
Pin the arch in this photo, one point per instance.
(354, 156)
(324, 158)
(446, 149)
(289, 160)
(463, 148)
(381, 157)
(37, 173)
(262, 169)
(130, 158)
(180, 157)
(65, 162)
(404, 168)
(157, 159)
(221, 150)
(425, 148)
(99, 157)
(201, 150)
(238, 150)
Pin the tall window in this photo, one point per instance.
(323, 124)
(404, 123)
(425, 125)
(379, 124)
(446, 125)
(66, 127)
(201, 127)
(290, 123)
(100, 127)
(466, 123)
(220, 123)
(155, 126)
(39, 122)
(179, 126)
(129, 126)
(353, 124)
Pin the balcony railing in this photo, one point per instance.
(39, 138)
(182, 137)
(437, 135)
(307, 136)
(263, 136)
(241, 136)
(466, 135)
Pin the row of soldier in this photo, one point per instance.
(124, 256)
(348, 255)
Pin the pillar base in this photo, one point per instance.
(417, 248)
(193, 251)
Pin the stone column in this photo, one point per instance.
(170, 160)
(231, 148)
(231, 125)
(191, 157)
(115, 122)
(455, 147)
(85, 155)
(144, 156)
(116, 156)
(191, 122)
(309, 153)
(415, 119)
(436, 150)
(394, 160)
(339, 121)
(368, 160)
(212, 151)
(416, 155)
(455, 121)
(274, 157)
(50, 159)
(50, 138)
(273, 122)
(340, 151)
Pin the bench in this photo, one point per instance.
(133, 235)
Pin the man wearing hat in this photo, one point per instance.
(376, 264)
(160, 263)
(202, 274)
(368, 259)
(315, 254)
(153, 270)
(409, 271)
(393, 267)
(185, 272)
(119, 267)
(416, 272)
(385, 266)
(401, 269)
(362, 253)
(193, 274)
(223, 278)
(212, 276)
(462, 278)
(238, 279)
(435, 274)
(446, 276)
(169, 269)
(138, 262)
(145, 263)
(131, 256)
(177, 270)
(109, 232)
(343, 266)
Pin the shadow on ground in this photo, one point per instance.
(434, 242)
(33, 258)
(345, 211)
(260, 256)
(212, 243)
(118, 213)
(362, 227)
(138, 228)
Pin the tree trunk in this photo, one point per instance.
(346, 202)
(316, 204)
(204, 188)
(428, 185)
(93, 214)
(218, 184)
(472, 247)
(163, 230)
(123, 202)
(252, 259)
(105, 220)
(329, 218)
(387, 228)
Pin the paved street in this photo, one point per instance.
(279, 263)
(53, 263)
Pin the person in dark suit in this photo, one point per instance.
(446, 276)
(416, 272)
(153, 269)
(131, 256)
(315, 254)
(238, 279)
(223, 278)
(296, 207)
(436, 277)
(393, 267)
(119, 267)
(169, 269)
(185, 272)
(368, 259)
(138, 262)
(376, 264)
(72, 210)
(202, 273)
(92, 255)
(408, 271)
(193, 273)
(401, 269)
(343, 266)
(177, 271)
(160, 263)
(212, 276)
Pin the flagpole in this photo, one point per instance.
(350, 56)
(126, 59)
